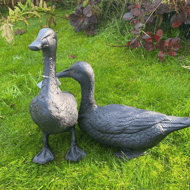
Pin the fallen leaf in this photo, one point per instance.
(67, 16)
(19, 32)
(187, 67)
(72, 56)
(12, 105)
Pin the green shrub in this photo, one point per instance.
(66, 4)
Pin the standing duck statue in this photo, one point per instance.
(130, 129)
(52, 110)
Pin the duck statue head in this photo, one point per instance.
(83, 73)
(46, 38)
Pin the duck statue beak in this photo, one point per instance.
(65, 73)
(40, 42)
(37, 44)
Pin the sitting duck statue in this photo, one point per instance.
(52, 110)
(130, 129)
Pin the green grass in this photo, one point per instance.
(123, 76)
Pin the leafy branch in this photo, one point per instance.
(23, 13)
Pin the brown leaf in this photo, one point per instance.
(50, 21)
(54, 21)
(72, 56)
(44, 26)
(12, 105)
(19, 32)
(67, 16)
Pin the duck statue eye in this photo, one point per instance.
(53, 36)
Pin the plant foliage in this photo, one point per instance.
(141, 14)
(85, 16)
(23, 13)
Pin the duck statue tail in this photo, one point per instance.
(175, 124)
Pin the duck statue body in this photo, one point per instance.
(130, 129)
(52, 110)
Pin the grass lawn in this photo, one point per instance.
(123, 76)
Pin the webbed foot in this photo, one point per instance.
(44, 156)
(75, 153)
(129, 154)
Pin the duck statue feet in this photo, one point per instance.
(45, 155)
(128, 154)
(74, 153)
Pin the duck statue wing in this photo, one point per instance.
(120, 119)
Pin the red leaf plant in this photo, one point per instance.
(85, 18)
(170, 46)
(141, 14)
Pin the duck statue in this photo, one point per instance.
(130, 129)
(52, 110)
